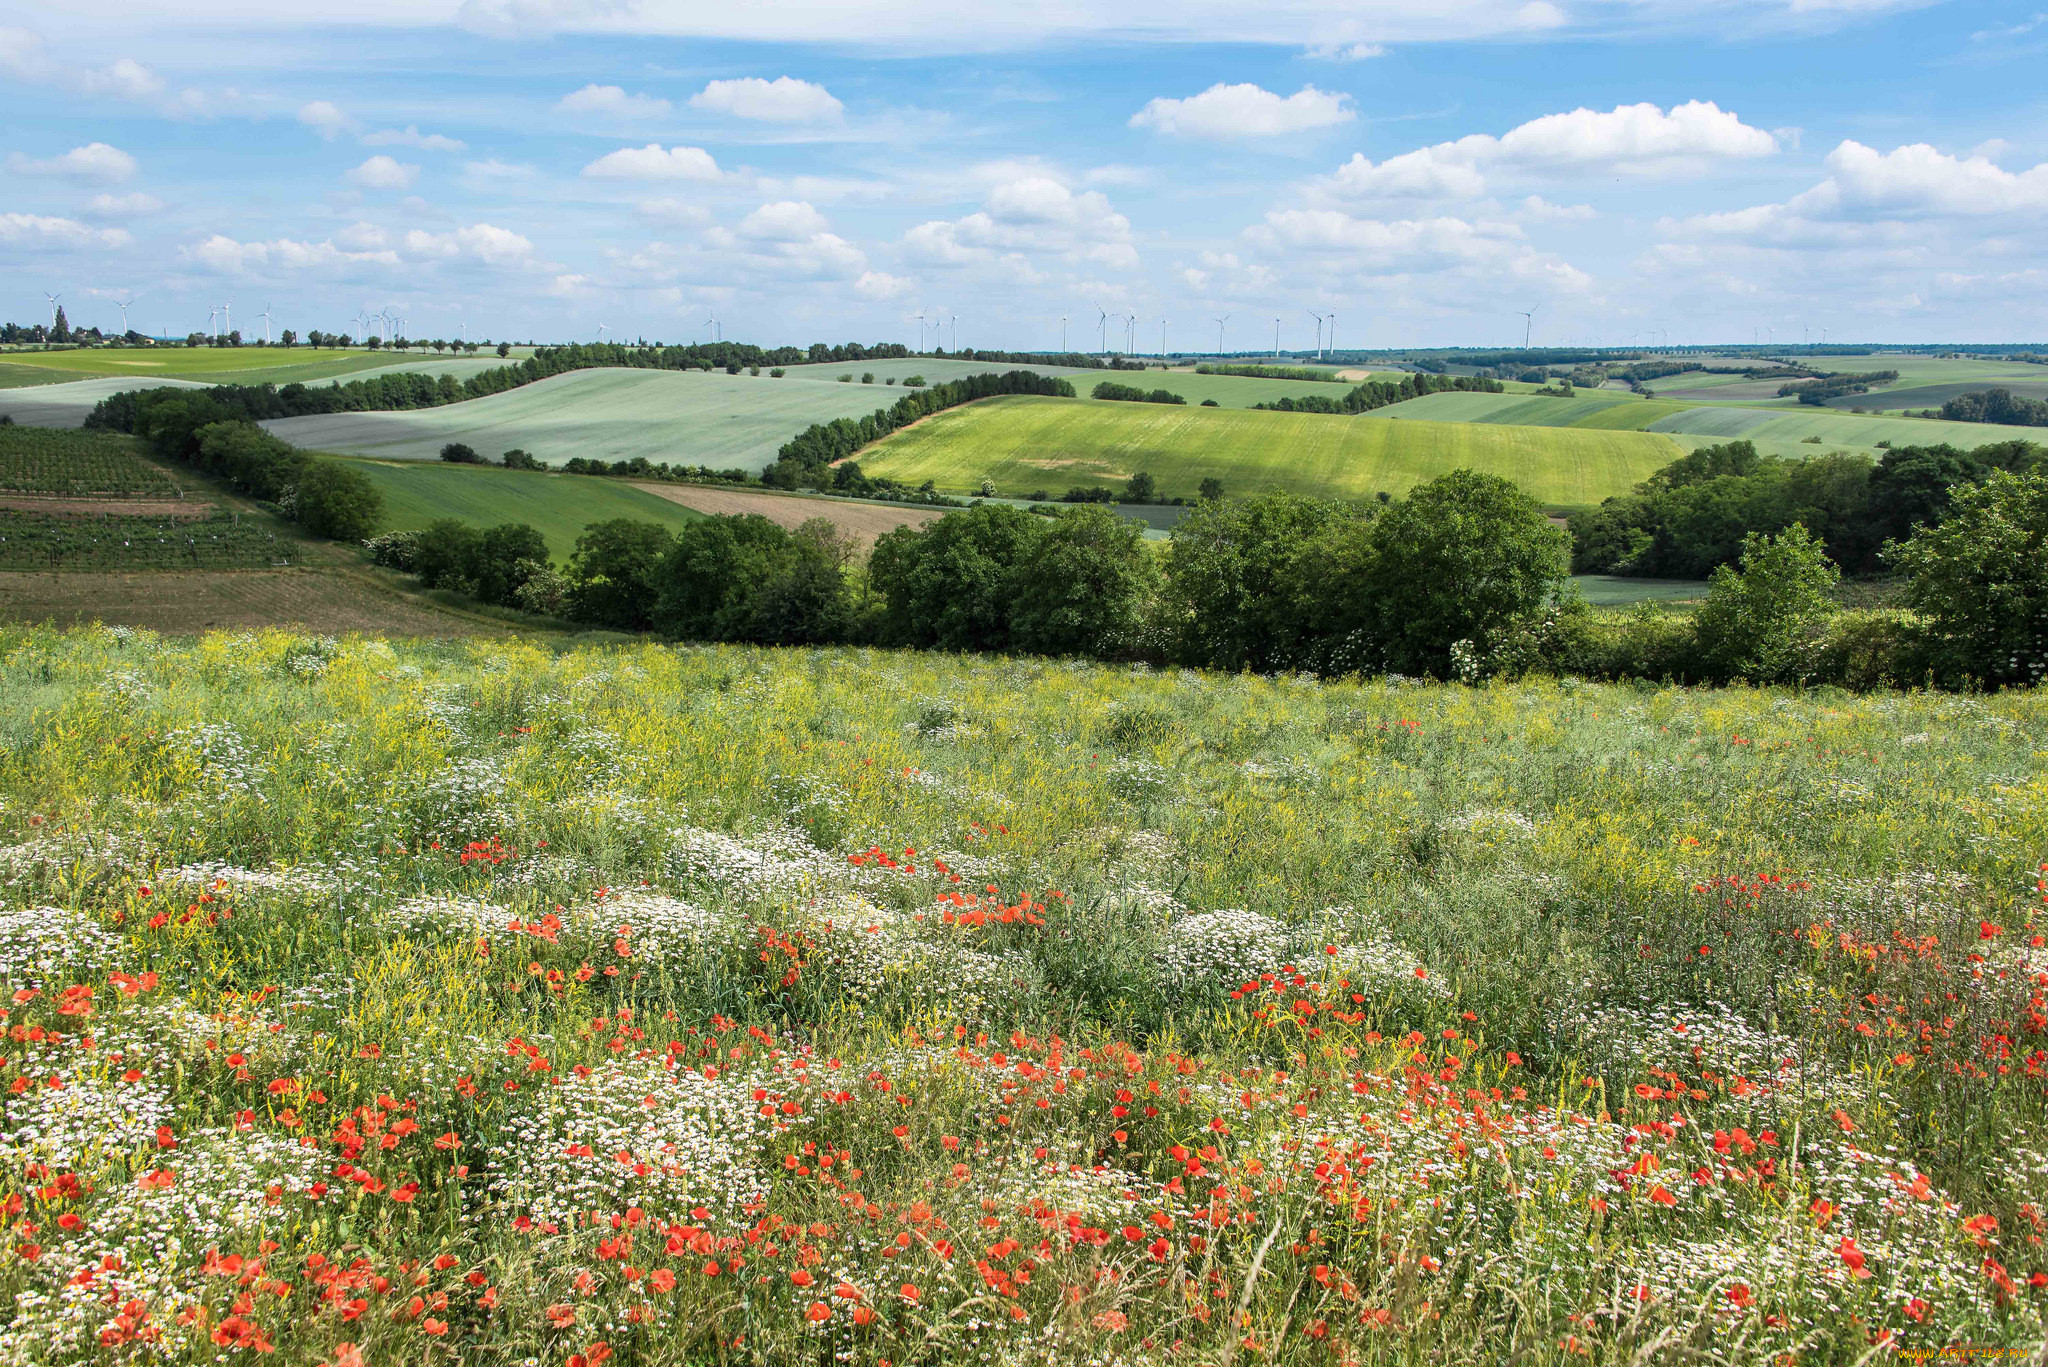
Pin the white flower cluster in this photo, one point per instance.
(773, 865)
(448, 913)
(40, 944)
(664, 928)
(1711, 1037)
(214, 876)
(224, 760)
(1370, 958)
(635, 1134)
(71, 1123)
(1221, 949)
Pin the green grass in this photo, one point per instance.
(67, 404)
(559, 507)
(1054, 444)
(1778, 429)
(213, 365)
(1607, 590)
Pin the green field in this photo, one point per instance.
(213, 365)
(559, 507)
(67, 464)
(1606, 410)
(1024, 444)
(1780, 429)
(35, 541)
(67, 404)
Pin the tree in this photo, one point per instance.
(947, 585)
(1981, 579)
(709, 581)
(1140, 488)
(518, 459)
(338, 502)
(505, 556)
(444, 554)
(1237, 592)
(1764, 619)
(60, 329)
(288, 338)
(1082, 587)
(1211, 489)
(504, 348)
(1465, 557)
(613, 575)
(459, 453)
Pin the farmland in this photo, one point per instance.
(689, 417)
(1024, 444)
(864, 521)
(37, 460)
(221, 365)
(559, 507)
(485, 1003)
(40, 540)
(324, 599)
(1779, 429)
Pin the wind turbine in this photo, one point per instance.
(123, 304)
(954, 319)
(717, 328)
(227, 316)
(1131, 335)
(1319, 332)
(1162, 339)
(601, 330)
(1219, 333)
(1276, 339)
(213, 317)
(1528, 326)
(265, 316)
(1063, 334)
(53, 298)
(1333, 332)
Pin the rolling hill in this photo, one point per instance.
(557, 506)
(1024, 444)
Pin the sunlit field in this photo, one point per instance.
(382, 1003)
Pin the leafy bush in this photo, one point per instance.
(460, 453)
(338, 502)
(1981, 580)
(1765, 620)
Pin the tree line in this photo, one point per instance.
(1373, 394)
(1130, 393)
(1999, 406)
(1268, 372)
(1835, 386)
(1692, 516)
(806, 460)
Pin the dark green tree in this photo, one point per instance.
(1981, 580)
(460, 453)
(1238, 594)
(1764, 619)
(1082, 587)
(338, 502)
(613, 575)
(1140, 488)
(947, 585)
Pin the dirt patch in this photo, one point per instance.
(184, 509)
(865, 520)
(179, 601)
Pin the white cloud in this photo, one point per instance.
(125, 79)
(123, 206)
(485, 242)
(363, 237)
(1441, 244)
(410, 136)
(881, 285)
(1244, 111)
(383, 173)
(786, 221)
(653, 162)
(569, 286)
(31, 231)
(21, 54)
(1634, 140)
(612, 102)
(225, 256)
(325, 118)
(1344, 52)
(675, 212)
(1542, 210)
(782, 100)
(95, 161)
(1032, 215)
(491, 169)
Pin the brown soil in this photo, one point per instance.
(180, 601)
(108, 507)
(865, 520)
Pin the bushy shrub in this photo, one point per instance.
(1981, 580)
(337, 502)
(1764, 621)
(460, 453)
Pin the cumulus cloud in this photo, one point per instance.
(1867, 190)
(95, 161)
(363, 248)
(674, 212)
(654, 162)
(1244, 111)
(410, 136)
(223, 255)
(1424, 245)
(881, 285)
(786, 221)
(1031, 215)
(384, 173)
(34, 231)
(612, 102)
(123, 206)
(485, 242)
(1633, 140)
(1542, 210)
(125, 79)
(782, 100)
(325, 118)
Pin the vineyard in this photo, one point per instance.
(75, 464)
(36, 541)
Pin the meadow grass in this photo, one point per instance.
(1024, 444)
(472, 1002)
(558, 506)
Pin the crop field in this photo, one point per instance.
(68, 404)
(227, 365)
(1589, 409)
(687, 417)
(863, 520)
(1024, 444)
(35, 540)
(1607, 590)
(483, 1003)
(559, 507)
(37, 460)
(326, 600)
(1781, 428)
(1895, 398)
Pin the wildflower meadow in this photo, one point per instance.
(382, 1003)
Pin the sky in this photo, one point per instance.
(1623, 171)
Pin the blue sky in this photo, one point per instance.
(824, 171)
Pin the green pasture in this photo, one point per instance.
(1025, 443)
(557, 506)
(1605, 410)
(1779, 428)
